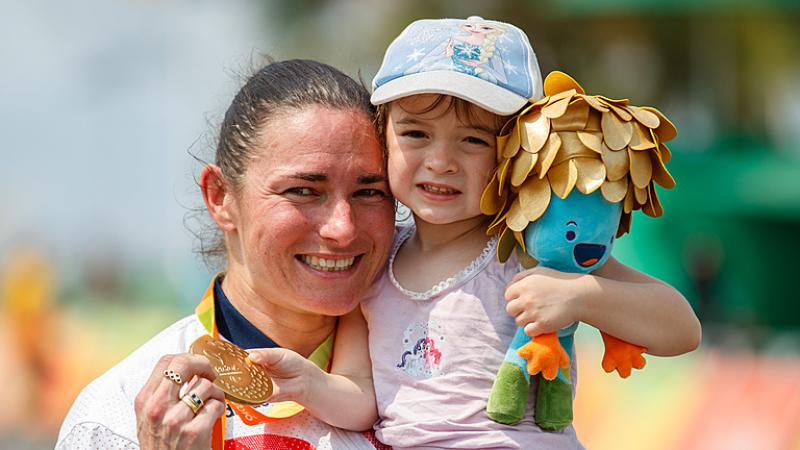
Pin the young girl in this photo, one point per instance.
(445, 309)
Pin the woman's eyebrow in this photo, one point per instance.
(310, 176)
(372, 178)
(316, 177)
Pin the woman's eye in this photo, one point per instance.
(300, 191)
(570, 235)
(370, 193)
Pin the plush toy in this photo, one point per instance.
(612, 153)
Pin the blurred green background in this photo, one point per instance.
(105, 104)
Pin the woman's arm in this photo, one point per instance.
(615, 298)
(345, 397)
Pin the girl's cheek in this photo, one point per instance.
(395, 169)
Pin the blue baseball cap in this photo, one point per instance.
(489, 63)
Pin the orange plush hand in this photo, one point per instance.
(544, 354)
(621, 356)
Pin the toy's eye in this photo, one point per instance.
(570, 235)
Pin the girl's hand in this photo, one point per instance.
(163, 420)
(292, 375)
(544, 300)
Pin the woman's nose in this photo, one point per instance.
(339, 226)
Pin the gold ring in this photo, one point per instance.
(174, 376)
(193, 401)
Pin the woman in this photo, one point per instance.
(299, 192)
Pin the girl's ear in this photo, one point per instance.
(218, 197)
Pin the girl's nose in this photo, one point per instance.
(441, 160)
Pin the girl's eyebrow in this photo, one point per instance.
(481, 128)
(410, 120)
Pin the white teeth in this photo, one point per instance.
(328, 265)
(438, 190)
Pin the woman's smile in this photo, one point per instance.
(329, 264)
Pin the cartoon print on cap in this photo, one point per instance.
(470, 49)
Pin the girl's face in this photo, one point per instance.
(439, 162)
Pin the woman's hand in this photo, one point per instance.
(163, 419)
(292, 375)
(544, 300)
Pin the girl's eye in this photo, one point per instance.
(570, 235)
(477, 141)
(416, 134)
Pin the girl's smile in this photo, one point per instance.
(436, 191)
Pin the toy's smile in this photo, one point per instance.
(587, 255)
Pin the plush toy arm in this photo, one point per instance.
(544, 354)
(621, 356)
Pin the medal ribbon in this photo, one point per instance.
(321, 357)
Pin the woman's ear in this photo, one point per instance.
(218, 196)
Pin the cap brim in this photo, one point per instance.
(485, 94)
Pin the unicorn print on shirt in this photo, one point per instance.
(422, 357)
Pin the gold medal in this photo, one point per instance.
(242, 381)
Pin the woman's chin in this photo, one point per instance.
(334, 306)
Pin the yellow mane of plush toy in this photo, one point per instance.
(572, 140)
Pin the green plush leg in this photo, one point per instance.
(554, 398)
(509, 395)
(553, 404)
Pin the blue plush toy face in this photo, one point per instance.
(575, 234)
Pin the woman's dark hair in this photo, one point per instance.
(275, 89)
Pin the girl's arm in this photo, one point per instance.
(615, 298)
(345, 397)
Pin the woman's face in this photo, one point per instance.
(313, 218)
